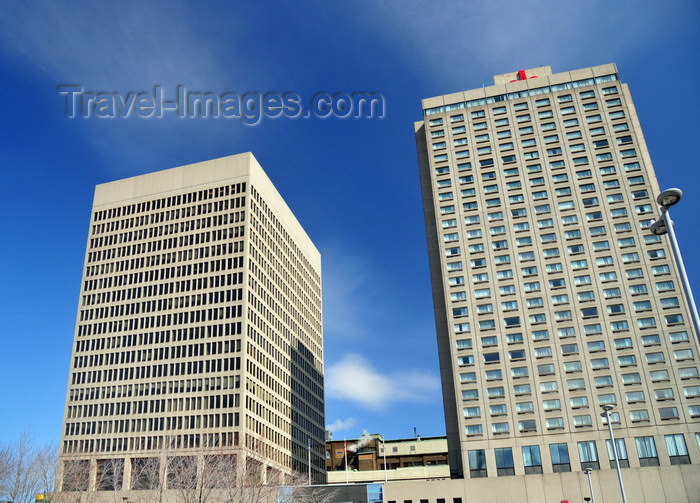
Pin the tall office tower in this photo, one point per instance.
(198, 334)
(552, 298)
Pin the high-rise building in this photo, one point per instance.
(552, 297)
(198, 334)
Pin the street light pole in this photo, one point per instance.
(606, 414)
(664, 225)
(588, 472)
(386, 477)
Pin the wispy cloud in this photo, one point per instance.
(130, 47)
(353, 378)
(514, 35)
(341, 424)
(351, 288)
(100, 44)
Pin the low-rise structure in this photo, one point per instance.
(371, 458)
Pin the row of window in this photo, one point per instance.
(523, 94)
(578, 402)
(577, 421)
(588, 456)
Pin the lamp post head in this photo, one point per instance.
(669, 197)
(607, 407)
(588, 471)
(658, 227)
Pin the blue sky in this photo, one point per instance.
(352, 183)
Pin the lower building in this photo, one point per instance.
(371, 458)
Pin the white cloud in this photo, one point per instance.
(341, 424)
(354, 379)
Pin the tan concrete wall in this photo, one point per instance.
(657, 484)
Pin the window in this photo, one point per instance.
(667, 413)
(500, 428)
(470, 394)
(504, 274)
(663, 394)
(504, 460)
(545, 369)
(532, 287)
(596, 346)
(582, 280)
(560, 457)
(524, 407)
(551, 405)
(588, 454)
(579, 402)
(522, 390)
(575, 384)
(542, 352)
(623, 343)
(651, 340)
(474, 430)
(572, 367)
(464, 344)
(673, 319)
(627, 360)
(683, 354)
(669, 302)
(585, 296)
(619, 326)
(531, 457)
(549, 387)
(687, 373)
(631, 378)
(496, 392)
(614, 309)
(507, 290)
(557, 283)
(646, 449)
(477, 463)
(518, 372)
(472, 412)
(514, 338)
(621, 453)
(691, 391)
(540, 335)
(583, 421)
(498, 410)
(603, 381)
(487, 325)
(677, 449)
(466, 377)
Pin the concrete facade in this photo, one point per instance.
(199, 329)
(551, 296)
(655, 484)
